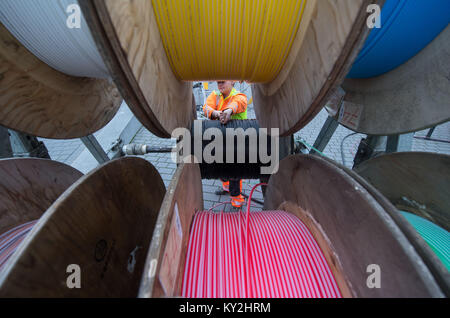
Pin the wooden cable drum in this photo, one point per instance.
(166, 268)
(415, 182)
(27, 188)
(103, 223)
(411, 97)
(47, 84)
(356, 225)
(348, 218)
(439, 272)
(293, 51)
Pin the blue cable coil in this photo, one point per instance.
(407, 26)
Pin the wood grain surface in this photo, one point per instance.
(324, 48)
(28, 186)
(429, 257)
(38, 100)
(103, 223)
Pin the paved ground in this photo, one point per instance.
(441, 132)
(67, 151)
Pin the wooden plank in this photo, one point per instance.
(103, 223)
(128, 38)
(28, 186)
(414, 96)
(40, 101)
(333, 37)
(360, 230)
(163, 273)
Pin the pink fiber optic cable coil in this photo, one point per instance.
(10, 240)
(283, 258)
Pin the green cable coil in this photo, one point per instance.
(435, 236)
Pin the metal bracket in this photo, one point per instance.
(5, 143)
(95, 148)
(327, 131)
(24, 145)
(392, 143)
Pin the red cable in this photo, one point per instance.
(246, 236)
(10, 240)
(286, 261)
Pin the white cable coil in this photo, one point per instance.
(40, 25)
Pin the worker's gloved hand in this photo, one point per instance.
(225, 116)
(216, 114)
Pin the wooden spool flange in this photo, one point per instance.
(414, 96)
(164, 268)
(29, 186)
(38, 100)
(103, 223)
(128, 38)
(417, 175)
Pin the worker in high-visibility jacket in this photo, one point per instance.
(225, 104)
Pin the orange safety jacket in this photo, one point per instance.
(235, 101)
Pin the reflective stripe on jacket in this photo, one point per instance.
(236, 101)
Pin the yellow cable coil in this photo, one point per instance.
(228, 39)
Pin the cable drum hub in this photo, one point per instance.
(239, 149)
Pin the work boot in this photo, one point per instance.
(238, 201)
